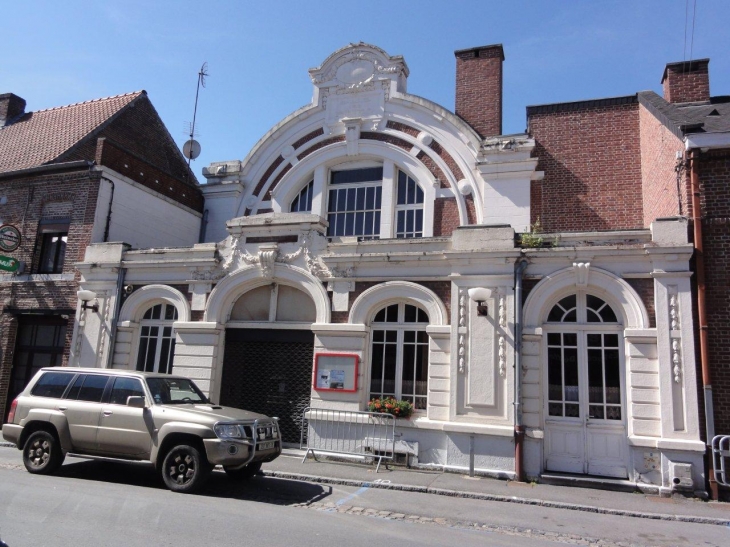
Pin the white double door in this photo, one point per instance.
(585, 416)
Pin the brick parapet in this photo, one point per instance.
(592, 163)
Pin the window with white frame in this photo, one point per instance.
(399, 354)
(354, 202)
(157, 339)
(409, 208)
(303, 202)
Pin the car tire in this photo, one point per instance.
(42, 454)
(185, 469)
(243, 473)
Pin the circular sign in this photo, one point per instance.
(9, 238)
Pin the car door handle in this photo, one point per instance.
(108, 413)
(62, 408)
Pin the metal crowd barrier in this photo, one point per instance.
(350, 433)
(721, 459)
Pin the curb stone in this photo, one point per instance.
(496, 497)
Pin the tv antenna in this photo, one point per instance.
(191, 149)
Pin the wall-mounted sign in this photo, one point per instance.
(9, 238)
(335, 372)
(9, 264)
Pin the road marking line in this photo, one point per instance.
(352, 496)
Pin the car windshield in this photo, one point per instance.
(175, 391)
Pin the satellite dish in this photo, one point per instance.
(191, 149)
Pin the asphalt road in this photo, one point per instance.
(92, 503)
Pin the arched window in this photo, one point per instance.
(303, 202)
(409, 208)
(584, 377)
(399, 354)
(157, 339)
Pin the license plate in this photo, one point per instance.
(266, 446)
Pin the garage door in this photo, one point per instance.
(269, 371)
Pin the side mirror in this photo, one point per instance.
(136, 401)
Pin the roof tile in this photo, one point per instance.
(42, 136)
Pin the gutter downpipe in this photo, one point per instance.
(694, 157)
(117, 306)
(521, 266)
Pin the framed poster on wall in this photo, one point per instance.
(335, 372)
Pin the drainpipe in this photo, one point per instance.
(203, 226)
(109, 210)
(694, 158)
(117, 306)
(521, 266)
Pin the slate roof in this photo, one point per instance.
(40, 137)
(685, 118)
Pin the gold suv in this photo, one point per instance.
(137, 416)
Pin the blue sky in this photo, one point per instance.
(258, 53)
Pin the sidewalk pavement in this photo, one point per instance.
(436, 482)
(355, 473)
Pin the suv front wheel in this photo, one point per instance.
(184, 469)
(42, 453)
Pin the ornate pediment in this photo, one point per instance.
(355, 82)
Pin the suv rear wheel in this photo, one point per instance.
(42, 453)
(243, 473)
(184, 469)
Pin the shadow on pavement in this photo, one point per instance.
(271, 490)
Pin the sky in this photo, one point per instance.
(258, 53)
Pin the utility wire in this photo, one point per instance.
(692, 41)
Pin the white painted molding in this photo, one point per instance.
(398, 291)
(231, 287)
(141, 300)
(602, 283)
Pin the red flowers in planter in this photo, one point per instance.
(390, 405)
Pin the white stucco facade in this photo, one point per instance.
(361, 117)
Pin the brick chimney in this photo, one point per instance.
(687, 81)
(479, 88)
(11, 106)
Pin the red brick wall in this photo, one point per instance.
(28, 197)
(592, 163)
(659, 179)
(116, 158)
(687, 82)
(479, 89)
(140, 130)
(715, 191)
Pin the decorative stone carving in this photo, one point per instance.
(674, 320)
(463, 301)
(502, 343)
(352, 135)
(581, 270)
(206, 275)
(502, 356)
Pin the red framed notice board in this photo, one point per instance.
(335, 372)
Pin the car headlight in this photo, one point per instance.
(228, 431)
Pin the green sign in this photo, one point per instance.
(9, 264)
(9, 238)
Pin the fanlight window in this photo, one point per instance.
(399, 354)
(597, 311)
(303, 202)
